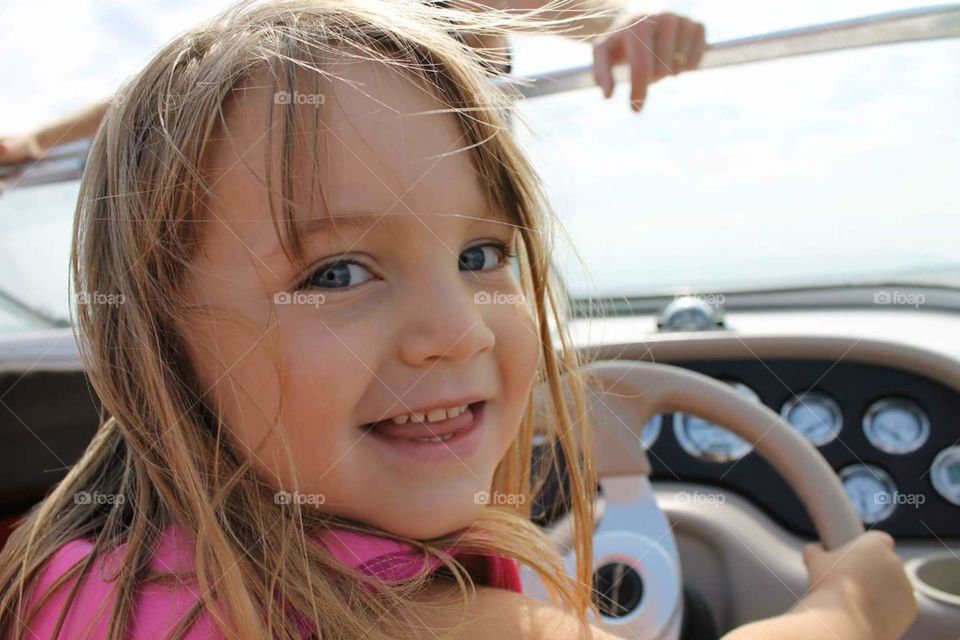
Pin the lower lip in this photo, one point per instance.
(461, 445)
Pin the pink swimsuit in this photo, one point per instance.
(158, 609)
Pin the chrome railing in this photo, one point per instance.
(929, 23)
(60, 164)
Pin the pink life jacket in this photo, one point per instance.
(391, 560)
(159, 609)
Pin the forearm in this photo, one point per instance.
(821, 615)
(78, 126)
(498, 613)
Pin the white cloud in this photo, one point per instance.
(61, 55)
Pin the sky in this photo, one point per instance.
(89, 46)
(834, 167)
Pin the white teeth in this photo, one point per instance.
(436, 438)
(434, 415)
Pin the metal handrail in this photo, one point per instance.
(927, 23)
(60, 164)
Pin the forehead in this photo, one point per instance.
(380, 143)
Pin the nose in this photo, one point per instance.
(443, 322)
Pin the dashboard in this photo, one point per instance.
(889, 431)
(877, 391)
(890, 435)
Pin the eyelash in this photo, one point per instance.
(506, 249)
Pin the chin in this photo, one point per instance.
(427, 521)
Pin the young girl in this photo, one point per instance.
(321, 362)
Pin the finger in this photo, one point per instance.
(698, 45)
(641, 64)
(882, 536)
(665, 37)
(603, 68)
(679, 57)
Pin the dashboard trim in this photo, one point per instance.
(718, 345)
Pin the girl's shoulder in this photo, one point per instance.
(157, 609)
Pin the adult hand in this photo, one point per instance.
(655, 47)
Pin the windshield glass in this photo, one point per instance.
(36, 224)
(834, 168)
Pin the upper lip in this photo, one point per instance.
(439, 404)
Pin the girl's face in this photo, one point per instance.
(409, 305)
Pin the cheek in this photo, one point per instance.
(239, 383)
(518, 354)
(326, 370)
(287, 401)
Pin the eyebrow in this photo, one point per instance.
(365, 220)
(322, 224)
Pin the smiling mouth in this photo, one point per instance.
(421, 428)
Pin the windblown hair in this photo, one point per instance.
(162, 448)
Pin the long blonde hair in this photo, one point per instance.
(161, 447)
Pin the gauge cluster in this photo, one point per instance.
(712, 442)
(871, 490)
(896, 425)
(815, 415)
(891, 436)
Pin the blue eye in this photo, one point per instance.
(345, 273)
(485, 257)
(341, 274)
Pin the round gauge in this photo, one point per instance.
(709, 442)
(872, 491)
(651, 431)
(896, 425)
(815, 415)
(945, 474)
